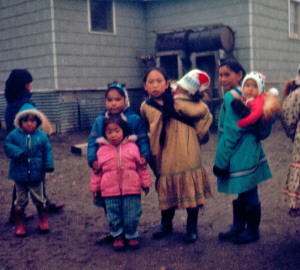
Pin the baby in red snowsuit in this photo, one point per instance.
(253, 94)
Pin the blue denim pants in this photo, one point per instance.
(123, 215)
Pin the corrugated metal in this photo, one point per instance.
(73, 111)
(2, 104)
(69, 117)
(48, 103)
(136, 97)
(88, 110)
(2, 108)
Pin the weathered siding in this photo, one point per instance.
(261, 31)
(274, 53)
(90, 60)
(25, 40)
(71, 66)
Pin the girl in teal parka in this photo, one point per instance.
(240, 162)
(31, 157)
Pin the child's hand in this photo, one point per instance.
(146, 190)
(96, 195)
(97, 171)
(143, 162)
(95, 166)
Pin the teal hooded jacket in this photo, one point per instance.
(240, 151)
(30, 154)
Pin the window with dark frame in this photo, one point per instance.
(294, 18)
(101, 16)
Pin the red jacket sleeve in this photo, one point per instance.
(256, 107)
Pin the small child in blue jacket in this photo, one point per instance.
(30, 154)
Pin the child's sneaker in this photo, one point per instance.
(133, 243)
(119, 244)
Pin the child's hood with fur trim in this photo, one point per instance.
(28, 109)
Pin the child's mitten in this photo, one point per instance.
(240, 108)
(223, 173)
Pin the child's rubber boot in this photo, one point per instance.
(20, 224)
(191, 235)
(119, 244)
(251, 234)
(166, 226)
(133, 243)
(12, 218)
(239, 222)
(43, 218)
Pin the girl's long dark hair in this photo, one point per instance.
(168, 104)
(15, 86)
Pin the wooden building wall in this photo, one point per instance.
(70, 65)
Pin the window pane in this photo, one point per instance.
(294, 19)
(101, 16)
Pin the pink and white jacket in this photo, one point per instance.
(120, 172)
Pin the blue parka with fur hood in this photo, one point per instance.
(30, 153)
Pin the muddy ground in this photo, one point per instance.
(73, 240)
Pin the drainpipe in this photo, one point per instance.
(250, 34)
(53, 44)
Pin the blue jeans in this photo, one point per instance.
(123, 215)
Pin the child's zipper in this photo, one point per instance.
(28, 148)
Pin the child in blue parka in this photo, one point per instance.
(30, 154)
(117, 102)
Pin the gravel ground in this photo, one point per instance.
(73, 240)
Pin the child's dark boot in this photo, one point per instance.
(43, 218)
(251, 234)
(20, 224)
(166, 226)
(191, 225)
(239, 221)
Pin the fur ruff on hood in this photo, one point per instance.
(29, 109)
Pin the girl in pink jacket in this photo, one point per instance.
(120, 179)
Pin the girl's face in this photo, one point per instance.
(250, 89)
(114, 134)
(29, 86)
(115, 102)
(228, 78)
(155, 84)
(29, 124)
